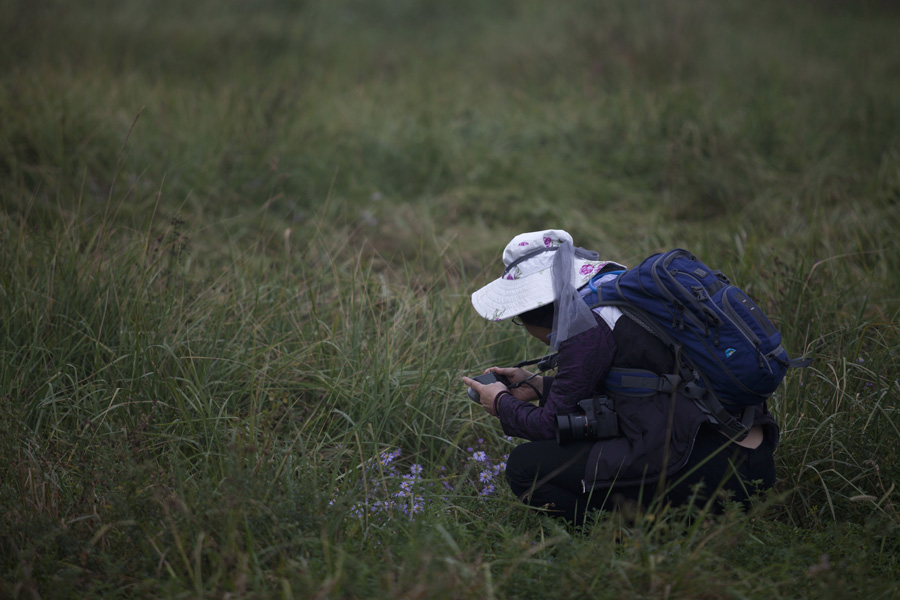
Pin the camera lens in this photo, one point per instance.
(570, 428)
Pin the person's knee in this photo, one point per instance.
(520, 471)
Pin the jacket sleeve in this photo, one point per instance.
(584, 362)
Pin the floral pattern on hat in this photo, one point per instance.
(551, 243)
(514, 274)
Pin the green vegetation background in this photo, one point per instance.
(237, 241)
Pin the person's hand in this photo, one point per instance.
(515, 375)
(486, 393)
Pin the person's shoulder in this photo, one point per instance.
(589, 339)
(628, 329)
(638, 348)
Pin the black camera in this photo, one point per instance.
(486, 379)
(596, 421)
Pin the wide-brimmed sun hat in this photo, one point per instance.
(527, 279)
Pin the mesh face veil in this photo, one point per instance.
(571, 315)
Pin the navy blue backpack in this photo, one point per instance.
(729, 354)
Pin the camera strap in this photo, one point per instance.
(544, 363)
(527, 382)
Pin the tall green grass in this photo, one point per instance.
(237, 245)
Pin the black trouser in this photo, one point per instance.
(733, 468)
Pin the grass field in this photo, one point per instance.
(237, 242)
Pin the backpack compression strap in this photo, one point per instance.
(640, 383)
(723, 420)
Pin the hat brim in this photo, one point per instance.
(503, 299)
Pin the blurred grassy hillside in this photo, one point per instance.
(634, 124)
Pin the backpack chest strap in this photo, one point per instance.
(639, 383)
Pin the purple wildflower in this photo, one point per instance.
(388, 457)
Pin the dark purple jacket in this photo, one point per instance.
(584, 361)
(656, 432)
